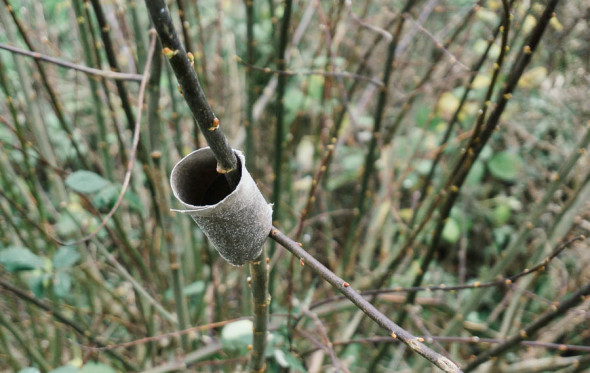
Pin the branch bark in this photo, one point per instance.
(342, 286)
(182, 64)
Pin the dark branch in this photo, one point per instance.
(191, 88)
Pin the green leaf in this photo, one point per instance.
(423, 167)
(66, 226)
(133, 201)
(286, 360)
(351, 161)
(37, 282)
(65, 257)
(16, 259)
(62, 284)
(486, 153)
(505, 165)
(422, 115)
(96, 368)
(501, 214)
(475, 174)
(196, 288)
(463, 220)
(275, 340)
(237, 336)
(105, 199)
(353, 353)
(410, 181)
(502, 236)
(86, 182)
(452, 231)
(315, 87)
(294, 100)
(477, 317)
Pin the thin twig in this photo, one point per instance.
(451, 123)
(468, 340)
(55, 103)
(137, 286)
(453, 185)
(476, 285)
(269, 90)
(532, 329)
(425, 81)
(31, 349)
(327, 343)
(438, 44)
(250, 86)
(191, 89)
(344, 287)
(414, 311)
(512, 79)
(177, 333)
(280, 113)
(132, 155)
(259, 269)
(181, 363)
(70, 65)
(340, 74)
(350, 250)
(131, 162)
(81, 330)
(381, 31)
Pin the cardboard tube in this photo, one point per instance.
(237, 222)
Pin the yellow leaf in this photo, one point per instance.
(481, 81)
(76, 362)
(469, 109)
(406, 214)
(487, 16)
(554, 22)
(494, 4)
(447, 105)
(528, 24)
(481, 45)
(533, 77)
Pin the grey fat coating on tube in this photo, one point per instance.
(236, 222)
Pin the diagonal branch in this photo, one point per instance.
(396, 331)
(182, 64)
(532, 329)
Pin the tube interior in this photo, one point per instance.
(197, 181)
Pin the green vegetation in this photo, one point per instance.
(433, 154)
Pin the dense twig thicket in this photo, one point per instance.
(427, 159)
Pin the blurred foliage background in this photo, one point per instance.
(66, 136)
